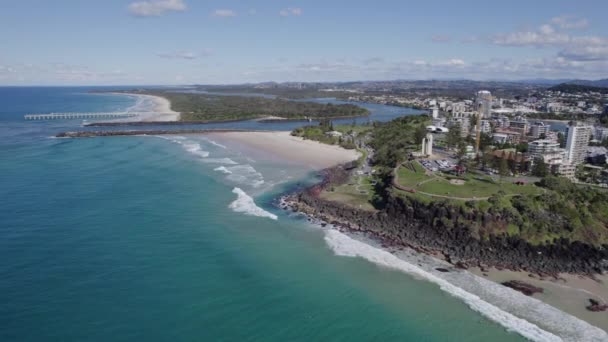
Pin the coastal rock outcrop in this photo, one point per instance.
(523, 287)
(596, 306)
(439, 227)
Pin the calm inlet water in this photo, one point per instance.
(158, 239)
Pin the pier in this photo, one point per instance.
(89, 134)
(70, 116)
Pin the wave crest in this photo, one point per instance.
(344, 245)
(245, 204)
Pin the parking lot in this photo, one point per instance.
(437, 165)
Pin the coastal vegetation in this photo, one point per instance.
(553, 210)
(200, 107)
(344, 135)
(280, 92)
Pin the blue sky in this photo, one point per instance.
(82, 42)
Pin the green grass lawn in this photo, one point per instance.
(412, 174)
(351, 193)
(475, 186)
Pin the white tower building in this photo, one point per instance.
(483, 103)
(435, 114)
(577, 142)
(427, 145)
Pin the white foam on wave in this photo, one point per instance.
(344, 245)
(138, 105)
(222, 169)
(246, 175)
(214, 143)
(245, 204)
(195, 148)
(226, 161)
(188, 145)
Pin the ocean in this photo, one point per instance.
(178, 238)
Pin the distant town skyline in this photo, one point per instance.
(116, 42)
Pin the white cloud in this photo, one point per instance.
(224, 13)
(570, 47)
(585, 53)
(188, 55)
(455, 62)
(290, 11)
(177, 55)
(440, 38)
(155, 8)
(569, 22)
(547, 29)
(373, 60)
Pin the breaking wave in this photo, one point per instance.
(195, 148)
(222, 169)
(344, 245)
(214, 143)
(226, 161)
(245, 204)
(188, 145)
(245, 174)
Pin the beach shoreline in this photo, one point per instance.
(157, 109)
(565, 293)
(283, 146)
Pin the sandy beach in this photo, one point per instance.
(156, 108)
(570, 293)
(284, 146)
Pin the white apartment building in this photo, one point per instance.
(600, 133)
(548, 150)
(463, 122)
(577, 142)
(539, 128)
(485, 127)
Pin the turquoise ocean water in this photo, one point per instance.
(178, 239)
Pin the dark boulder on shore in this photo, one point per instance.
(523, 287)
(596, 306)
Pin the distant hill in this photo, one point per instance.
(545, 81)
(574, 88)
(599, 83)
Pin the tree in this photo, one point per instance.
(487, 159)
(503, 168)
(420, 134)
(512, 162)
(485, 140)
(453, 138)
(522, 147)
(540, 168)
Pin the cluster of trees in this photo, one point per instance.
(564, 210)
(205, 107)
(392, 141)
(320, 133)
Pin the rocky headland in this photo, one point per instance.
(440, 229)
